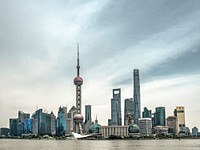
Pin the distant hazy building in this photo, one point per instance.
(62, 121)
(95, 127)
(28, 126)
(145, 125)
(23, 116)
(146, 113)
(195, 131)
(133, 130)
(17, 125)
(4, 132)
(187, 131)
(128, 110)
(107, 131)
(34, 126)
(53, 123)
(160, 116)
(172, 124)
(43, 122)
(198, 134)
(179, 112)
(153, 119)
(109, 122)
(70, 121)
(116, 118)
(160, 130)
(88, 118)
(136, 96)
(13, 126)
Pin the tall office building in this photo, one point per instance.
(13, 126)
(78, 81)
(179, 112)
(88, 118)
(70, 121)
(28, 126)
(137, 103)
(146, 113)
(128, 111)
(53, 123)
(116, 118)
(43, 122)
(160, 116)
(35, 126)
(88, 113)
(172, 124)
(18, 125)
(62, 121)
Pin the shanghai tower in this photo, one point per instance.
(137, 104)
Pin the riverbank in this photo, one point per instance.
(47, 137)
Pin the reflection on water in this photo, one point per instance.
(13, 144)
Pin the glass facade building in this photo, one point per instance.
(146, 113)
(136, 95)
(88, 112)
(116, 118)
(88, 118)
(43, 122)
(62, 121)
(160, 116)
(195, 131)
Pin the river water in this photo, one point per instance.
(13, 144)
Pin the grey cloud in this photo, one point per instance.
(187, 63)
(123, 24)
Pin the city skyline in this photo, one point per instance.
(38, 51)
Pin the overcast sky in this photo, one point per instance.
(38, 54)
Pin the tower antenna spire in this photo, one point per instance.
(78, 66)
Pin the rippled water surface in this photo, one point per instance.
(13, 144)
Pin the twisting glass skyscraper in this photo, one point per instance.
(137, 106)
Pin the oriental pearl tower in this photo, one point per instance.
(78, 81)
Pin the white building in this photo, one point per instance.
(122, 131)
(145, 125)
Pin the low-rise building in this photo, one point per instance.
(195, 131)
(145, 125)
(4, 131)
(107, 131)
(160, 130)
